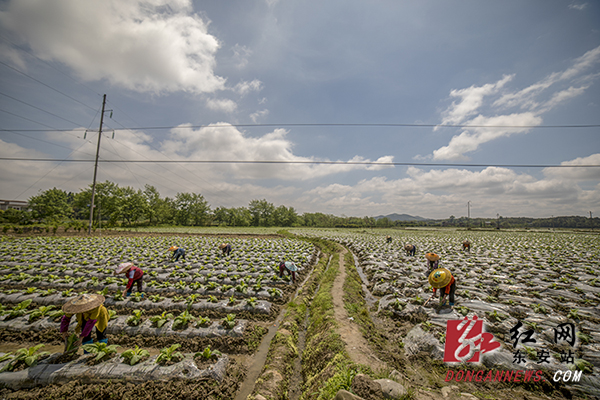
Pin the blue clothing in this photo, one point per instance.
(180, 252)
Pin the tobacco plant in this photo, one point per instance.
(182, 320)
(208, 354)
(136, 318)
(229, 321)
(169, 354)
(40, 312)
(135, 355)
(101, 349)
(28, 356)
(160, 320)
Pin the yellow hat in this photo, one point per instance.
(222, 246)
(432, 256)
(440, 277)
(173, 248)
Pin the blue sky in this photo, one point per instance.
(189, 65)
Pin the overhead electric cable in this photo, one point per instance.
(48, 86)
(383, 164)
(368, 125)
(37, 108)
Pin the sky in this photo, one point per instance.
(350, 103)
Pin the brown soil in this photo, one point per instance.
(356, 345)
(203, 388)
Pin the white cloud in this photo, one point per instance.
(471, 138)
(529, 102)
(147, 46)
(578, 173)
(579, 7)
(259, 114)
(246, 87)
(225, 105)
(471, 100)
(241, 55)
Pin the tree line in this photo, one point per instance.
(126, 206)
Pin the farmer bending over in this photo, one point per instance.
(433, 261)
(177, 252)
(225, 248)
(135, 275)
(388, 239)
(90, 313)
(290, 268)
(411, 249)
(467, 246)
(442, 279)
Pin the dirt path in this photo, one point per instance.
(356, 345)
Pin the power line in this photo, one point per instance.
(48, 86)
(37, 108)
(383, 164)
(368, 125)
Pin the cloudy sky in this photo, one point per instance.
(377, 91)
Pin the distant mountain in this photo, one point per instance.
(401, 217)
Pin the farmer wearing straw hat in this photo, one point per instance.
(388, 239)
(411, 249)
(288, 267)
(90, 313)
(433, 261)
(225, 248)
(177, 252)
(441, 278)
(135, 275)
(467, 246)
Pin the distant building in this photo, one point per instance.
(16, 204)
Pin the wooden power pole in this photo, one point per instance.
(96, 166)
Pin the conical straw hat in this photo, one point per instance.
(222, 245)
(432, 256)
(440, 277)
(123, 267)
(82, 303)
(408, 247)
(173, 248)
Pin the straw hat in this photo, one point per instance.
(82, 303)
(408, 247)
(173, 248)
(222, 246)
(432, 256)
(123, 267)
(440, 277)
(291, 266)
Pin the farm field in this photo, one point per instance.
(211, 302)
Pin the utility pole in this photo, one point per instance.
(96, 166)
(469, 213)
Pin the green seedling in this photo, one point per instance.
(19, 310)
(160, 320)
(135, 355)
(229, 321)
(203, 322)
(101, 349)
(28, 356)
(40, 312)
(136, 318)
(208, 354)
(212, 299)
(252, 302)
(182, 320)
(169, 354)
(112, 314)
(70, 344)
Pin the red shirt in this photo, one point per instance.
(137, 274)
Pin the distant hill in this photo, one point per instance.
(401, 217)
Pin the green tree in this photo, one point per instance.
(105, 202)
(191, 209)
(262, 212)
(51, 205)
(284, 216)
(130, 204)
